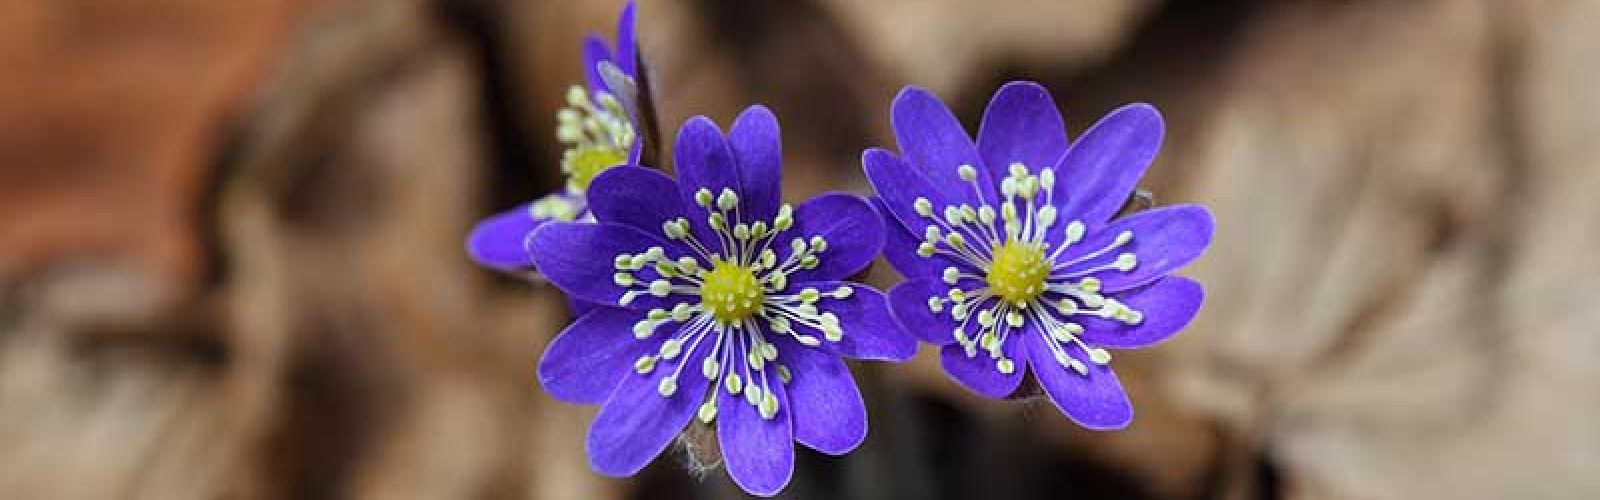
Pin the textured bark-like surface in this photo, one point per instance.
(231, 263)
(1395, 301)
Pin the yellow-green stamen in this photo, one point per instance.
(739, 295)
(731, 292)
(1018, 272)
(1021, 276)
(598, 135)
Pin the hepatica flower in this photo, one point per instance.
(726, 308)
(1014, 260)
(598, 129)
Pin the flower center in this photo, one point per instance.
(731, 292)
(741, 297)
(1018, 272)
(1027, 279)
(597, 133)
(586, 162)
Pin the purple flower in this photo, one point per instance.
(599, 128)
(724, 307)
(1012, 257)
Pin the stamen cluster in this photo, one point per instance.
(598, 134)
(1007, 277)
(742, 292)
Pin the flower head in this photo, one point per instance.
(599, 130)
(1013, 258)
(724, 308)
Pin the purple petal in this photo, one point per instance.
(499, 241)
(870, 332)
(852, 229)
(703, 161)
(900, 247)
(909, 303)
(578, 307)
(579, 258)
(627, 44)
(931, 138)
(637, 422)
(898, 186)
(758, 150)
(1100, 170)
(829, 415)
(759, 452)
(1164, 239)
(585, 362)
(1021, 124)
(632, 196)
(1168, 305)
(595, 51)
(979, 374)
(1095, 401)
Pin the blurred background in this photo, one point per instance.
(231, 257)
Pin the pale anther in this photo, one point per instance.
(1017, 169)
(1099, 356)
(967, 172)
(644, 364)
(727, 199)
(707, 412)
(1006, 366)
(951, 275)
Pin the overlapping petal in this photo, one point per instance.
(852, 229)
(579, 258)
(587, 359)
(900, 247)
(1168, 305)
(633, 196)
(759, 452)
(978, 372)
(500, 241)
(829, 415)
(1095, 401)
(637, 422)
(869, 330)
(579, 307)
(909, 303)
(595, 52)
(898, 186)
(757, 149)
(931, 138)
(627, 42)
(1163, 239)
(1100, 169)
(1021, 125)
(704, 161)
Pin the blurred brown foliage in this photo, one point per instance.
(231, 265)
